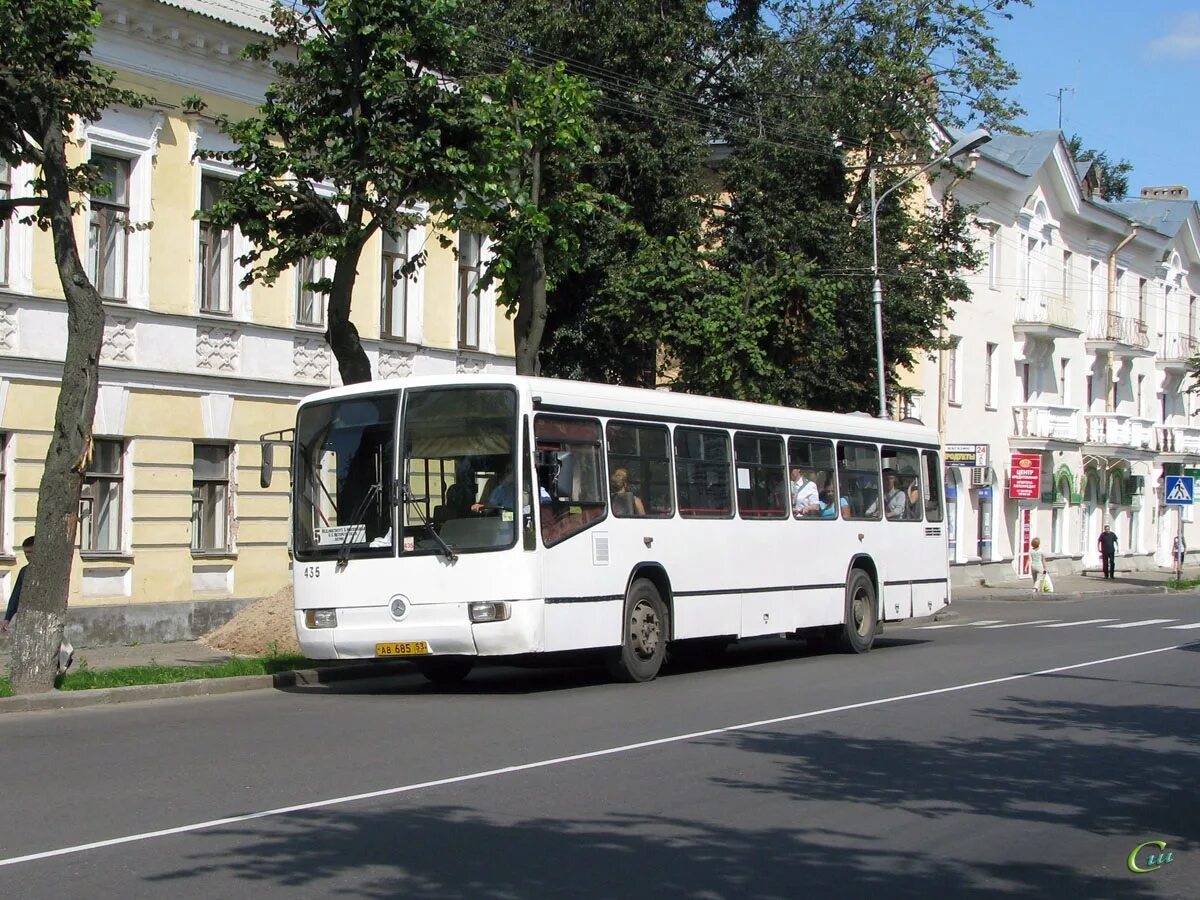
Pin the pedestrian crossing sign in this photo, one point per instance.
(1180, 490)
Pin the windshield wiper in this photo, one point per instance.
(408, 497)
(343, 556)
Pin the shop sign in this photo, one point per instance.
(1025, 476)
(969, 455)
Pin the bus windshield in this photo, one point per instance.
(344, 468)
(459, 470)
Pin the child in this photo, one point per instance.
(1037, 564)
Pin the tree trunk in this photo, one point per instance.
(38, 625)
(530, 323)
(342, 335)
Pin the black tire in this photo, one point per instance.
(445, 670)
(645, 629)
(858, 630)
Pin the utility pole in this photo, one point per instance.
(1058, 95)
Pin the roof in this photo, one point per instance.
(611, 400)
(1164, 216)
(251, 15)
(1023, 153)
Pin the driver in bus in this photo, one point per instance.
(503, 495)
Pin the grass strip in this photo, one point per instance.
(1185, 585)
(85, 679)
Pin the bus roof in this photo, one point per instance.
(606, 399)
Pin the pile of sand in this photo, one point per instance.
(264, 627)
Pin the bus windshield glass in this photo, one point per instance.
(461, 486)
(344, 469)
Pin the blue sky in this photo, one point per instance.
(1133, 67)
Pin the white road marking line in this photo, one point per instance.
(936, 627)
(1019, 624)
(1182, 627)
(562, 760)
(1137, 624)
(987, 622)
(1081, 622)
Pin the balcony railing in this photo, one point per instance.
(1179, 346)
(1177, 439)
(1116, 430)
(1106, 326)
(1037, 420)
(1047, 309)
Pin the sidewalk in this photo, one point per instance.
(177, 653)
(1074, 587)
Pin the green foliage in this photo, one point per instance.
(47, 81)
(1114, 176)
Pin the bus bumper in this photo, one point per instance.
(444, 627)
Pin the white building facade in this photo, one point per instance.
(1071, 353)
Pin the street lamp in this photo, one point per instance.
(965, 144)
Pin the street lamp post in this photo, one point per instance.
(966, 144)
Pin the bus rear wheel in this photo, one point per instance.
(858, 631)
(445, 670)
(644, 635)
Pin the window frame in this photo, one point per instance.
(469, 296)
(932, 487)
(199, 483)
(6, 176)
(209, 250)
(393, 281)
(953, 379)
(108, 216)
(597, 512)
(705, 464)
(895, 452)
(794, 462)
(311, 269)
(93, 477)
(989, 375)
(844, 482)
(755, 467)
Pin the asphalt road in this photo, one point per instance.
(1017, 750)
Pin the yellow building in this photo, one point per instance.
(175, 533)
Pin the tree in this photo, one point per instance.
(1114, 176)
(359, 130)
(48, 83)
(534, 133)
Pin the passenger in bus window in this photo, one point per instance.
(624, 501)
(805, 496)
(894, 498)
(912, 493)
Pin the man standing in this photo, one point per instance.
(1107, 545)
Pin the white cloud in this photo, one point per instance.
(1183, 39)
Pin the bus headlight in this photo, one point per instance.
(320, 618)
(487, 611)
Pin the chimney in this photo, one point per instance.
(1165, 192)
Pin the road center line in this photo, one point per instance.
(562, 760)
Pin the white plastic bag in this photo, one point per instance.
(1045, 585)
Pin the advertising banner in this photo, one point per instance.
(969, 455)
(1025, 476)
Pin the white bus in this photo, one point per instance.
(449, 518)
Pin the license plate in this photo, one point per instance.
(402, 648)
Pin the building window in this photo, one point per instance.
(1063, 372)
(1140, 399)
(953, 382)
(469, 252)
(393, 309)
(108, 239)
(1141, 304)
(1066, 273)
(215, 255)
(989, 377)
(5, 193)
(100, 499)
(3, 488)
(1095, 295)
(993, 256)
(310, 303)
(210, 497)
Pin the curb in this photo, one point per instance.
(200, 687)
(1029, 594)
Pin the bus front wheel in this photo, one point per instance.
(858, 632)
(445, 670)
(644, 635)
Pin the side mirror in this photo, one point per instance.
(267, 468)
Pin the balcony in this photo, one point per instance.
(1036, 426)
(1119, 335)
(1116, 430)
(1177, 350)
(1177, 440)
(1045, 316)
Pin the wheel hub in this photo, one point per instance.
(644, 630)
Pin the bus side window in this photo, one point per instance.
(583, 502)
(812, 460)
(858, 476)
(639, 470)
(762, 480)
(702, 460)
(902, 484)
(932, 487)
